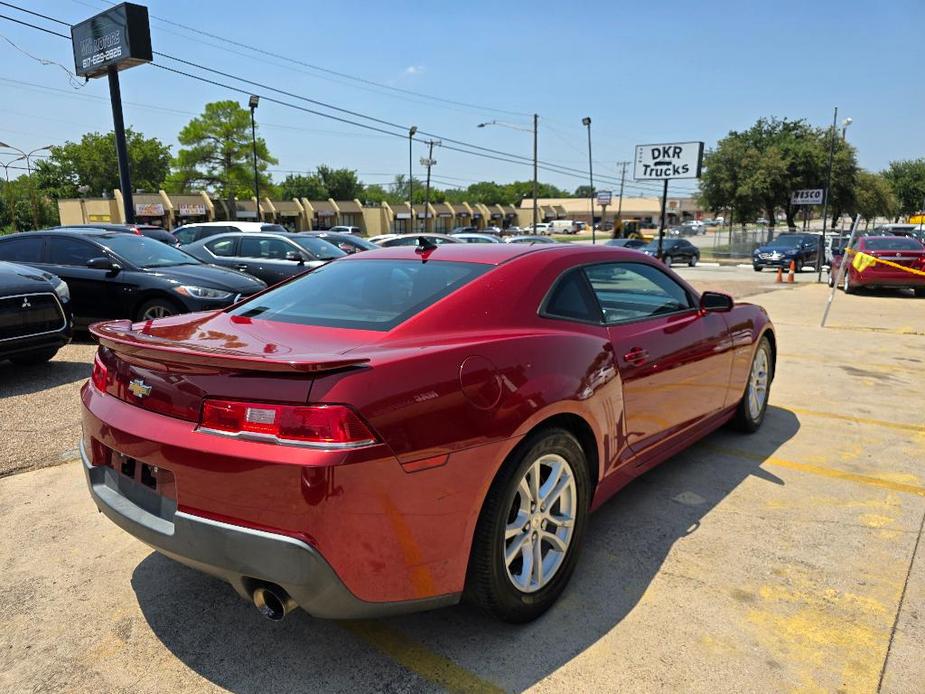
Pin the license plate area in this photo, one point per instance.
(157, 479)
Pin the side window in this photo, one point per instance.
(63, 251)
(223, 248)
(257, 247)
(186, 235)
(22, 250)
(571, 298)
(630, 291)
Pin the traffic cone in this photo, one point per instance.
(780, 275)
(793, 269)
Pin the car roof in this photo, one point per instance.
(92, 232)
(487, 253)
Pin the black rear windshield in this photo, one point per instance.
(361, 294)
(900, 243)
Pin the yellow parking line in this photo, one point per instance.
(820, 470)
(415, 657)
(860, 420)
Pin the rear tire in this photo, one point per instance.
(846, 284)
(157, 308)
(754, 403)
(34, 358)
(516, 591)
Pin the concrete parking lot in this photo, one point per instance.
(786, 560)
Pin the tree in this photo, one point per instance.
(584, 191)
(16, 206)
(908, 181)
(341, 184)
(92, 162)
(756, 170)
(299, 186)
(874, 197)
(217, 153)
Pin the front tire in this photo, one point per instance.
(757, 268)
(754, 403)
(919, 292)
(693, 261)
(531, 527)
(157, 308)
(846, 284)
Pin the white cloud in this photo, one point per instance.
(414, 69)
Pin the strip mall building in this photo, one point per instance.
(301, 214)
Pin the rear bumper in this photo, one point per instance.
(887, 280)
(244, 557)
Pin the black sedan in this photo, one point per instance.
(626, 243)
(268, 256)
(348, 243)
(35, 314)
(152, 232)
(118, 275)
(673, 251)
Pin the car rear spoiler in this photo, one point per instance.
(118, 336)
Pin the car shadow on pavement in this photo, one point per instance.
(24, 380)
(221, 637)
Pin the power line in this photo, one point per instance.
(483, 152)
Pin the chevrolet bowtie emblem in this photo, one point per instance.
(139, 388)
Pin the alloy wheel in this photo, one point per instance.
(156, 311)
(758, 384)
(540, 523)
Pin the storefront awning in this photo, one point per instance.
(287, 208)
(323, 208)
(188, 205)
(349, 207)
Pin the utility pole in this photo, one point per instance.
(661, 228)
(820, 252)
(428, 161)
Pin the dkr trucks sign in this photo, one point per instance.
(668, 161)
(119, 36)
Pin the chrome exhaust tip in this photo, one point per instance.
(273, 602)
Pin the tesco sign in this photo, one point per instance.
(668, 161)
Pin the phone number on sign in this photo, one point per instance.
(98, 58)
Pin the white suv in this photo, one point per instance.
(200, 230)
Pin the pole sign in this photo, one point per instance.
(604, 197)
(119, 36)
(668, 161)
(807, 196)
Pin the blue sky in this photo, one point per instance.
(644, 71)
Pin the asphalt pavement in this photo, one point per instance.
(790, 559)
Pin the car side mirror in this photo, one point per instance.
(715, 302)
(295, 256)
(102, 263)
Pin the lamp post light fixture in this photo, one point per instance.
(586, 121)
(536, 120)
(28, 157)
(411, 221)
(253, 103)
(844, 127)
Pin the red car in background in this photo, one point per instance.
(402, 427)
(900, 250)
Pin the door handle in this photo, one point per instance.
(242, 268)
(637, 356)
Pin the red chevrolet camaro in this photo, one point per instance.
(404, 427)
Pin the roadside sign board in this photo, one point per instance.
(604, 197)
(668, 161)
(149, 209)
(119, 36)
(807, 196)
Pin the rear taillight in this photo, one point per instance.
(326, 426)
(99, 375)
(136, 230)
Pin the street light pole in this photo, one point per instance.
(253, 103)
(536, 120)
(28, 157)
(411, 131)
(844, 127)
(820, 253)
(586, 121)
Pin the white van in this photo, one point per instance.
(563, 226)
